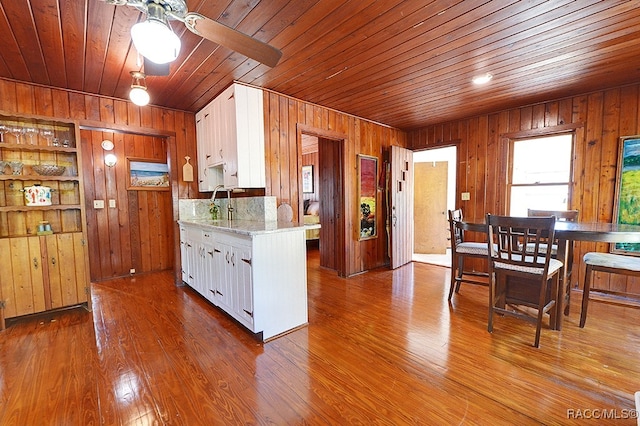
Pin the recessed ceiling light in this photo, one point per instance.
(482, 79)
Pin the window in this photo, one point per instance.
(540, 174)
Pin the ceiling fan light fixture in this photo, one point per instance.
(138, 93)
(154, 39)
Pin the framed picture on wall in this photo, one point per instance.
(627, 199)
(146, 174)
(367, 196)
(307, 179)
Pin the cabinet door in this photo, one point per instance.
(229, 147)
(65, 257)
(205, 142)
(183, 254)
(244, 284)
(190, 260)
(224, 276)
(21, 280)
(208, 285)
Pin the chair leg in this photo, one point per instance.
(460, 273)
(567, 291)
(585, 295)
(454, 274)
(491, 301)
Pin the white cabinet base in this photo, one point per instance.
(259, 279)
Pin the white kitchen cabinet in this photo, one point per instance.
(230, 140)
(259, 278)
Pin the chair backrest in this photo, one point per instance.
(455, 219)
(561, 215)
(508, 240)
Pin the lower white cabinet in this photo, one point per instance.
(259, 278)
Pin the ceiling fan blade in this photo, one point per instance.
(151, 68)
(235, 40)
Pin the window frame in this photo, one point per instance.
(510, 164)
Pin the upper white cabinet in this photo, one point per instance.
(230, 136)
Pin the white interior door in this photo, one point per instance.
(401, 206)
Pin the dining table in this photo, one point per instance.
(566, 233)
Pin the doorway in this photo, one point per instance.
(434, 194)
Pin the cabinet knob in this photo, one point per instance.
(35, 263)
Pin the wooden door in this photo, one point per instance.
(431, 228)
(332, 235)
(401, 206)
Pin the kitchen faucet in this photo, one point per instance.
(229, 208)
(213, 196)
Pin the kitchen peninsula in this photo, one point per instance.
(254, 270)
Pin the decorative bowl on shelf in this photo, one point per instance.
(16, 167)
(48, 169)
(3, 165)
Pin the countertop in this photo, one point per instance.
(244, 227)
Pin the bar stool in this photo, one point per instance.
(605, 262)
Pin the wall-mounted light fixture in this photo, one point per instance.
(107, 145)
(138, 93)
(110, 160)
(153, 38)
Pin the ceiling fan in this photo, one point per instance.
(155, 40)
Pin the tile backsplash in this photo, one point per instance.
(261, 209)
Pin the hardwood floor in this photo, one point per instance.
(383, 347)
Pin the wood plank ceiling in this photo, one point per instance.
(405, 63)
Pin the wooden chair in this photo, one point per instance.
(605, 262)
(518, 277)
(460, 249)
(565, 216)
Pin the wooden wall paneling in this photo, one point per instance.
(113, 186)
(593, 156)
(538, 116)
(8, 100)
(551, 114)
(24, 95)
(579, 115)
(120, 112)
(92, 108)
(43, 101)
(122, 222)
(608, 162)
(295, 189)
(146, 220)
(77, 106)
(272, 158)
(86, 146)
(107, 113)
(283, 151)
(134, 231)
(103, 262)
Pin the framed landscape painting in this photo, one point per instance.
(627, 200)
(145, 174)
